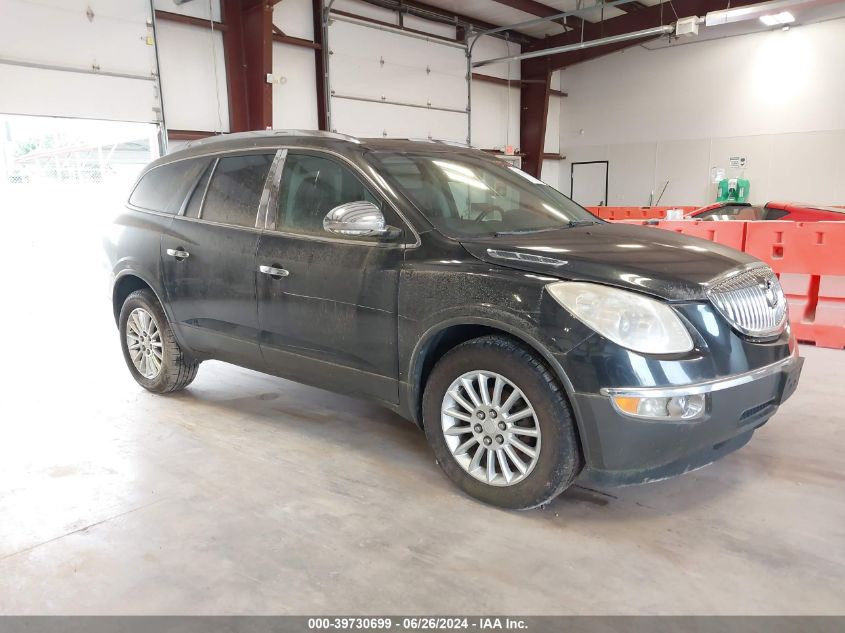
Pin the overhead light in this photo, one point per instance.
(784, 17)
(763, 10)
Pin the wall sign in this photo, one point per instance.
(738, 161)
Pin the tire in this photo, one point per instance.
(558, 456)
(176, 370)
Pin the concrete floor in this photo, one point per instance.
(250, 494)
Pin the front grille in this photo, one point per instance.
(752, 301)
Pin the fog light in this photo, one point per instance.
(686, 407)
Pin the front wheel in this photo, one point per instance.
(154, 357)
(500, 425)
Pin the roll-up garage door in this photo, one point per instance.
(386, 82)
(74, 58)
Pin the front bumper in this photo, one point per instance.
(628, 450)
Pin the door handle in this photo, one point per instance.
(178, 253)
(274, 271)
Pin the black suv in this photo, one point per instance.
(528, 338)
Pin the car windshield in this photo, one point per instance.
(467, 197)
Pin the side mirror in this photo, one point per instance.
(356, 218)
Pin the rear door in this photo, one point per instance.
(208, 259)
(331, 320)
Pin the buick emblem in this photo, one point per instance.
(772, 297)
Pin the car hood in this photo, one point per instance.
(663, 263)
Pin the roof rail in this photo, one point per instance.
(432, 140)
(268, 133)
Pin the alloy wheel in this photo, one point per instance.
(490, 427)
(143, 340)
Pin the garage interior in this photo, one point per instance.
(249, 494)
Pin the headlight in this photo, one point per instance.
(627, 318)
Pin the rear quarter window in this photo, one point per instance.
(164, 188)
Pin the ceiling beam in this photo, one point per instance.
(423, 10)
(542, 11)
(633, 7)
(530, 6)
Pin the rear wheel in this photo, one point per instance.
(150, 349)
(500, 425)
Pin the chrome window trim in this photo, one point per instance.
(703, 387)
(270, 195)
(205, 191)
(238, 227)
(275, 148)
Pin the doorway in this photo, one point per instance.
(589, 183)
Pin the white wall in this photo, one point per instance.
(114, 40)
(775, 97)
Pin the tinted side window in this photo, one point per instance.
(235, 189)
(164, 188)
(311, 187)
(194, 202)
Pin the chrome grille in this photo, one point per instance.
(752, 301)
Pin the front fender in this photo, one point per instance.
(434, 299)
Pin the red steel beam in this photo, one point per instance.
(320, 65)
(233, 55)
(248, 53)
(490, 79)
(169, 16)
(295, 41)
(257, 21)
(534, 111)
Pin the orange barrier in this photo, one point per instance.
(634, 213)
(728, 233)
(808, 257)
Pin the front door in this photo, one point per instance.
(208, 260)
(327, 303)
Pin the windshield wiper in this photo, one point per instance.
(569, 225)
